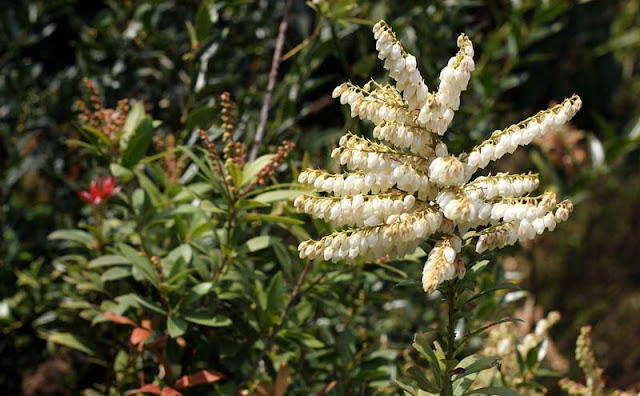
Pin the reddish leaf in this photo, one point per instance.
(118, 319)
(149, 388)
(327, 388)
(139, 336)
(198, 378)
(166, 391)
(282, 381)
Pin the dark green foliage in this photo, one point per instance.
(237, 295)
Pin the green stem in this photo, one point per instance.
(451, 336)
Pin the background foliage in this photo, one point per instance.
(350, 325)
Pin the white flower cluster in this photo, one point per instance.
(539, 335)
(398, 236)
(407, 188)
(358, 210)
(508, 140)
(443, 263)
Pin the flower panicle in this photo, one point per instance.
(406, 186)
(173, 165)
(108, 121)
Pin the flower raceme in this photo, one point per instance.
(100, 190)
(407, 187)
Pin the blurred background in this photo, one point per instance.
(178, 56)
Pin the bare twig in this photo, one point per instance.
(273, 73)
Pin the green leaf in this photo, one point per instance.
(278, 195)
(480, 364)
(78, 236)
(207, 319)
(138, 200)
(138, 144)
(108, 260)
(532, 355)
(501, 286)
(202, 117)
(479, 266)
(120, 172)
(480, 330)
(134, 118)
(202, 289)
(284, 258)
(74, 342)
(461, 386)
(115, 273)
(235, 172)
(252, 169)
(135, 300)
(250, 204)
(406, 388)
(422, 344)
(89, 132)
(275, 294)
(150, 188)
(203, 20)
(176, 326)
(177, 260)
(520, 360)
(423, 382)
(142, 264)
(493, 390)
(258, 243)
(409, 282)
(273, 219)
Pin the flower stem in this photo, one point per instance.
(451, 336)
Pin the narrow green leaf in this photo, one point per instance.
(406, 388)
(108, 260)
(74, 342)
(176, 326)
(202, 289)
(150, 188)
(121, 172)
(78, 236)
(278, 195)
(408, 282)
(479, 266)
(422, 344)
(207, 319)
(258, 243)
(115, 273)
(235, 172)
(275, 295)
(137, 301)
(481, 363)
(137, 145)
(273, 219)
(142, 264)
(501, 286)
(143, 302)
(493, 390)
(203, 20)
(92, 134)
(134, 118)
(252, 169)
(201, 117)
(480, 330)
(423, 382)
